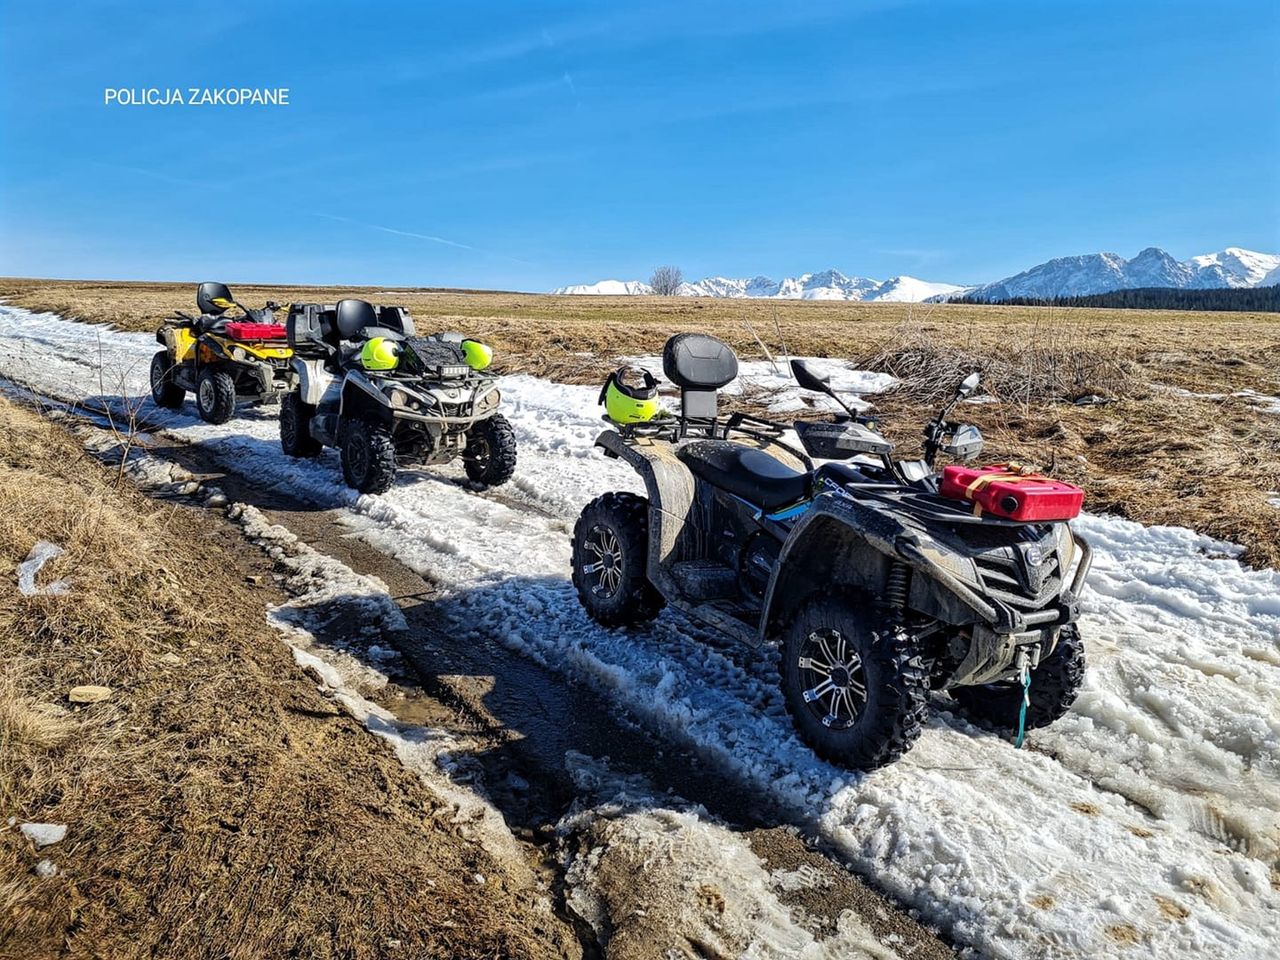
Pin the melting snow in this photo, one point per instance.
(1157, 796)
(43, 834)
(770, 382)
(40, 554)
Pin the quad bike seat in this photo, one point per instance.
(699, 365)
(328, 330)
(746, 472)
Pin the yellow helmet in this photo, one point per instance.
(479, 355)
(380, 353)
(630, 395)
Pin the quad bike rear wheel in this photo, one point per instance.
(610, 556)
(490, 455)
(295, 427)
(164, 391)
(368, 454)
(1054, 686)
(854, 683)
(215, 395)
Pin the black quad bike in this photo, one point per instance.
(431, 407)
(877, 589)
(219, 357)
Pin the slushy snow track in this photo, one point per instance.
(1145, 824)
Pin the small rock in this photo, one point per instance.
(88, 694)
(46, 868)
(479, 879)
(254, 578)
(170, 658)
(44, 834)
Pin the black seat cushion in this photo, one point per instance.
(352, 316)
(698, 361)
(746, 472)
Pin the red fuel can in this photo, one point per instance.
(1010, 491)
(241, 330)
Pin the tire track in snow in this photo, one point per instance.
(1015, 853)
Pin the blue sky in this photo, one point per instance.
(525, 145)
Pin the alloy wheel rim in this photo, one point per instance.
(205, 393)
(605, 571)
(833, 679)
(356, 458)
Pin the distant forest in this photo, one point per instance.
(1265, 299)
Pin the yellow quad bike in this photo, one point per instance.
(219, 358)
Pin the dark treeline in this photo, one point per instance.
(1256, 299)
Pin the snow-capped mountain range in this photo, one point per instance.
(1060, 277)
(1153, 267)
(827, 285)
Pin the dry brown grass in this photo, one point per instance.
(218, 805)
(1151, 454)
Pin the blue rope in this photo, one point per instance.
(1022, 711)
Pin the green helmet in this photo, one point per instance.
(630, 395)
(479, 355)
(380, 353)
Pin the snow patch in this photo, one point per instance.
(770, 383)
(43, 834)
(649, 873)
(1161, 783)
(40, 554)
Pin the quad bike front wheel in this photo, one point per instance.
(368, 454)
(1054, 686)
(490, 455)
(164, 391)
(215, 396)
(610, 556)
(854, 683)
(295, 427)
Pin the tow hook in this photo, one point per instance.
(1025, 659)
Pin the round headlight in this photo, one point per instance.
(1066, 548)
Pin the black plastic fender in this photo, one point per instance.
(362, 399)
(671, 488)
(842, 543)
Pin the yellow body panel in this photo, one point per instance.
(264, 350)
(184, 344)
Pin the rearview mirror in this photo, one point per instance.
(809, 379)
(969, 384)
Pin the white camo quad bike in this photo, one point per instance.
(877, 588)
(386, 397)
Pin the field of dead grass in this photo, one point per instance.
(217, 805)
(1173, 443)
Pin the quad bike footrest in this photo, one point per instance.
(705, 579)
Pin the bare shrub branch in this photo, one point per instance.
(666, 281)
